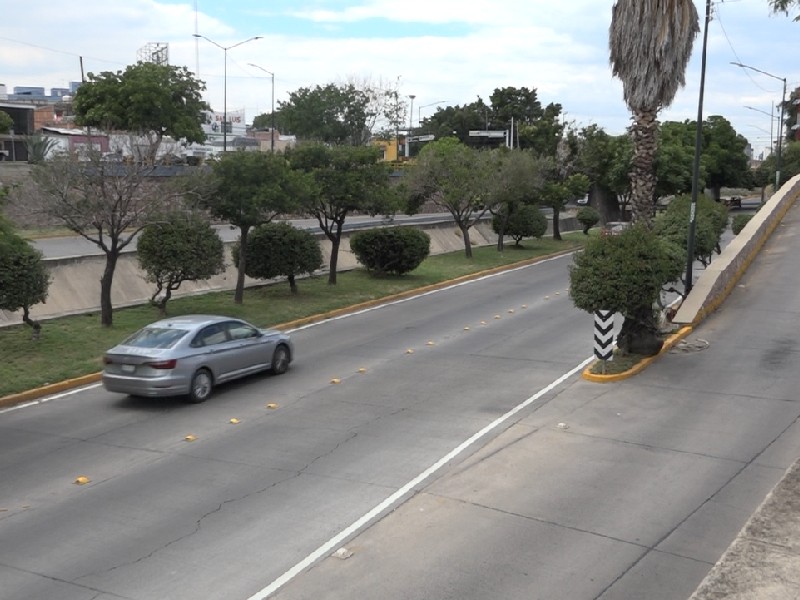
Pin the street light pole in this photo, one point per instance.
(225, 83)
(272, 111)
(780, 129)
(698, 142)
(410, 125)
(772, 118)
(419, 110)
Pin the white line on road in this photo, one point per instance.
(429, 293)
(53, 397)
(332, 544)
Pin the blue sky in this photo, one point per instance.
(437, 50)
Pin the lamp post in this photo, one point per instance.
(225, 83)
(419, 110)
(698, 142)
(272, 110)
(780, 129)
(410, 125)
(772, 118)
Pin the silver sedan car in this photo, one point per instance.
(191, 354)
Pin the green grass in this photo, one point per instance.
(620, 364)
(74, 345)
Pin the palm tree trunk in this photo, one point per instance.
(644, 134)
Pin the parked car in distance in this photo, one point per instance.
(191, 354)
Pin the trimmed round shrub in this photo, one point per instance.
(395, 250)
(525, 221)
(623, 273)
(280, 250)
(738, 223)
(588, 217)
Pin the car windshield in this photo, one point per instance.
(154, 337)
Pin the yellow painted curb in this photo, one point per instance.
(669, 343)
(55, 388)
(45, 390)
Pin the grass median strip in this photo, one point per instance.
(72, 346)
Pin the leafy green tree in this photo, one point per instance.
(24, 278)
(650, 43)
(625, 274)
(518, 180)
(332, 114)
(790, 164)
(396, 250)
(6, 122)
(251, 189)
(557, 193)
(147, 99)
(588, 217)
(281, 250)
(541, 136)
(675, 159)
(525, 221)
(711, 222)
(106, 203)
(346, 179)
(455, 178)
(724, 159)
(606, 161)
(181, 247)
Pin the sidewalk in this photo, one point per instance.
(763, 563)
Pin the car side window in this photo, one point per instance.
(211, 335)
(241, 331)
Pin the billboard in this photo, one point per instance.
(213, 126)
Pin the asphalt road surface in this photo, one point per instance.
(466, 461)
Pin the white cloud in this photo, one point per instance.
(559, 48)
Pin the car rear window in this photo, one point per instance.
(153, 337)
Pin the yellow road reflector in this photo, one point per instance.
(524, 306)
(466, 328)
(336, 380)
(497, 316)
(190, 438)
(558, 293)
(547, 297)
(483, 322)
(431, 343)
(410, 351)
(272, 405)
(234, 420)
(362, 370)
(511, 311)
(82, 480)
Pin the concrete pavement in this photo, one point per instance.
(763, 561)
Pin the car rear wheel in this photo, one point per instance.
(280, 360)
(202, 384)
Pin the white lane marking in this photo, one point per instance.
(332, 544)
(428, 293)
(53, 397)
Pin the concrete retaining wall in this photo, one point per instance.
(720, 277)
(75, 285)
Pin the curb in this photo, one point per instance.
(46, 390)
(55, 388)
(669, 343)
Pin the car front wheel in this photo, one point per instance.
(202, 384)
(280, 360)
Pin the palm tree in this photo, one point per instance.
(650, 42)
